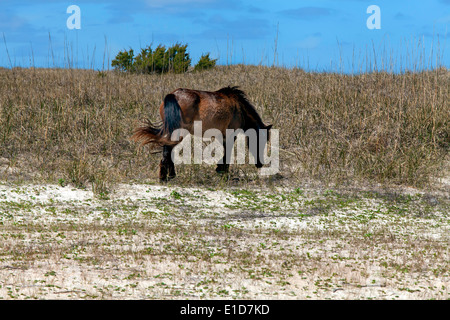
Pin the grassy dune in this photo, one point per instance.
(72, 126)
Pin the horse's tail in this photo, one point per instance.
(172, 115)
(161, 134)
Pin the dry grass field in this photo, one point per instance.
(75, 125)
(359, 209)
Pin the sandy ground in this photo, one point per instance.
(165, 242)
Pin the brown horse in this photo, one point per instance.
(227, 108)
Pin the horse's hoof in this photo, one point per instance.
(170, 177)
(166, 178)
(222, 169)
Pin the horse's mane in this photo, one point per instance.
(249, 110)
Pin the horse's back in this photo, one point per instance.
(213, 109)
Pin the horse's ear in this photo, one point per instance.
(268, 127)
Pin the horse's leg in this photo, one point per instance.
(166, 167)
(224, 165)
(260, 149)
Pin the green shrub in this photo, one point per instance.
(143, 61)
(205, 62)
(178, 58)
(124, 61)
(160, 60)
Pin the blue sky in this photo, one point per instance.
(315, 35)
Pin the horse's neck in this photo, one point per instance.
(248, 121)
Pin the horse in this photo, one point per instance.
(227, 108)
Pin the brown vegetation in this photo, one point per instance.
(73, 126)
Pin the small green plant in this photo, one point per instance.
(175, 195)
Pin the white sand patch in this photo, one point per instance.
(170, 242)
